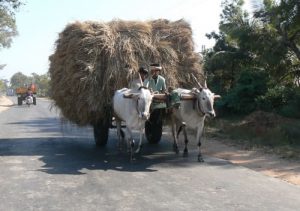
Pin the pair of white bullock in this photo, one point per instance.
(133, 107)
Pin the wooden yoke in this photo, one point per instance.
(159, 98)
(128, 95)
(187, 97)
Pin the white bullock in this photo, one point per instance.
(133, 107)
(195, 105)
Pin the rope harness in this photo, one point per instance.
(198, 107)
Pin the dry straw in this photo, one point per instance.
(88, 63)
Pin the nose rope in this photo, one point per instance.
(137, 107)
(200, 111)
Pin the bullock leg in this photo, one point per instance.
(120, 134)
(199, 135)
(175, 137)
(141, 140)
(130, 143)
(186, 141)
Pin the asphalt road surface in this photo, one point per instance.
(46, 164)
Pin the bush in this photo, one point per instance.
(284, 100)
(241, 98)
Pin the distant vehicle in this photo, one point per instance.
(25, 91)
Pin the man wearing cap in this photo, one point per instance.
(157, 83)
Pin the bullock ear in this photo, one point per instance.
(217, 96)
(195, 91)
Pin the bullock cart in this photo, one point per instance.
(88, 65)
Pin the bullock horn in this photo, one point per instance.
(205, 77)
(141, 79)
(197, 81)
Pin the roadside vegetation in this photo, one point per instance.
(255, 66)
(41, 81)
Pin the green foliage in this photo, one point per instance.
(19, 79)
(2, 86)
(284, 20)
(8, 27)
(41, 81)
(245, 46)
(242, 97)
(284, 100)
(291, 132)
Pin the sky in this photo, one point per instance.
(40, 21)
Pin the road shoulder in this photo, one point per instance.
(5, 103)
(255, 159)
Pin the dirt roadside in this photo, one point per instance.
(5, 103)
(257, 159)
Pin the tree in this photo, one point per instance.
(8, 27)
(267, 43)
(2, 86)
(41, 81)
(228, 57)
(284, 19)
(19, 79)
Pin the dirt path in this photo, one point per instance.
(266, 163)
(5, 103)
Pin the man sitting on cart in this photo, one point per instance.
(157, 83)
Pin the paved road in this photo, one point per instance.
(49, 165)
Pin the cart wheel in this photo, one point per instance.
(153, 132)
(101, 131)
(19, 101)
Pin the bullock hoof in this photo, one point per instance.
(132, 159)
(185, 153)
(175, 148)
(200, 159)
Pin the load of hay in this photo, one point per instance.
(89, 59)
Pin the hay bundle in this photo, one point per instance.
(89, 60)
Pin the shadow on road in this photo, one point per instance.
(68, 149)
(52, 125)
(75, 155)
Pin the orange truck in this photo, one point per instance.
(22, 93)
